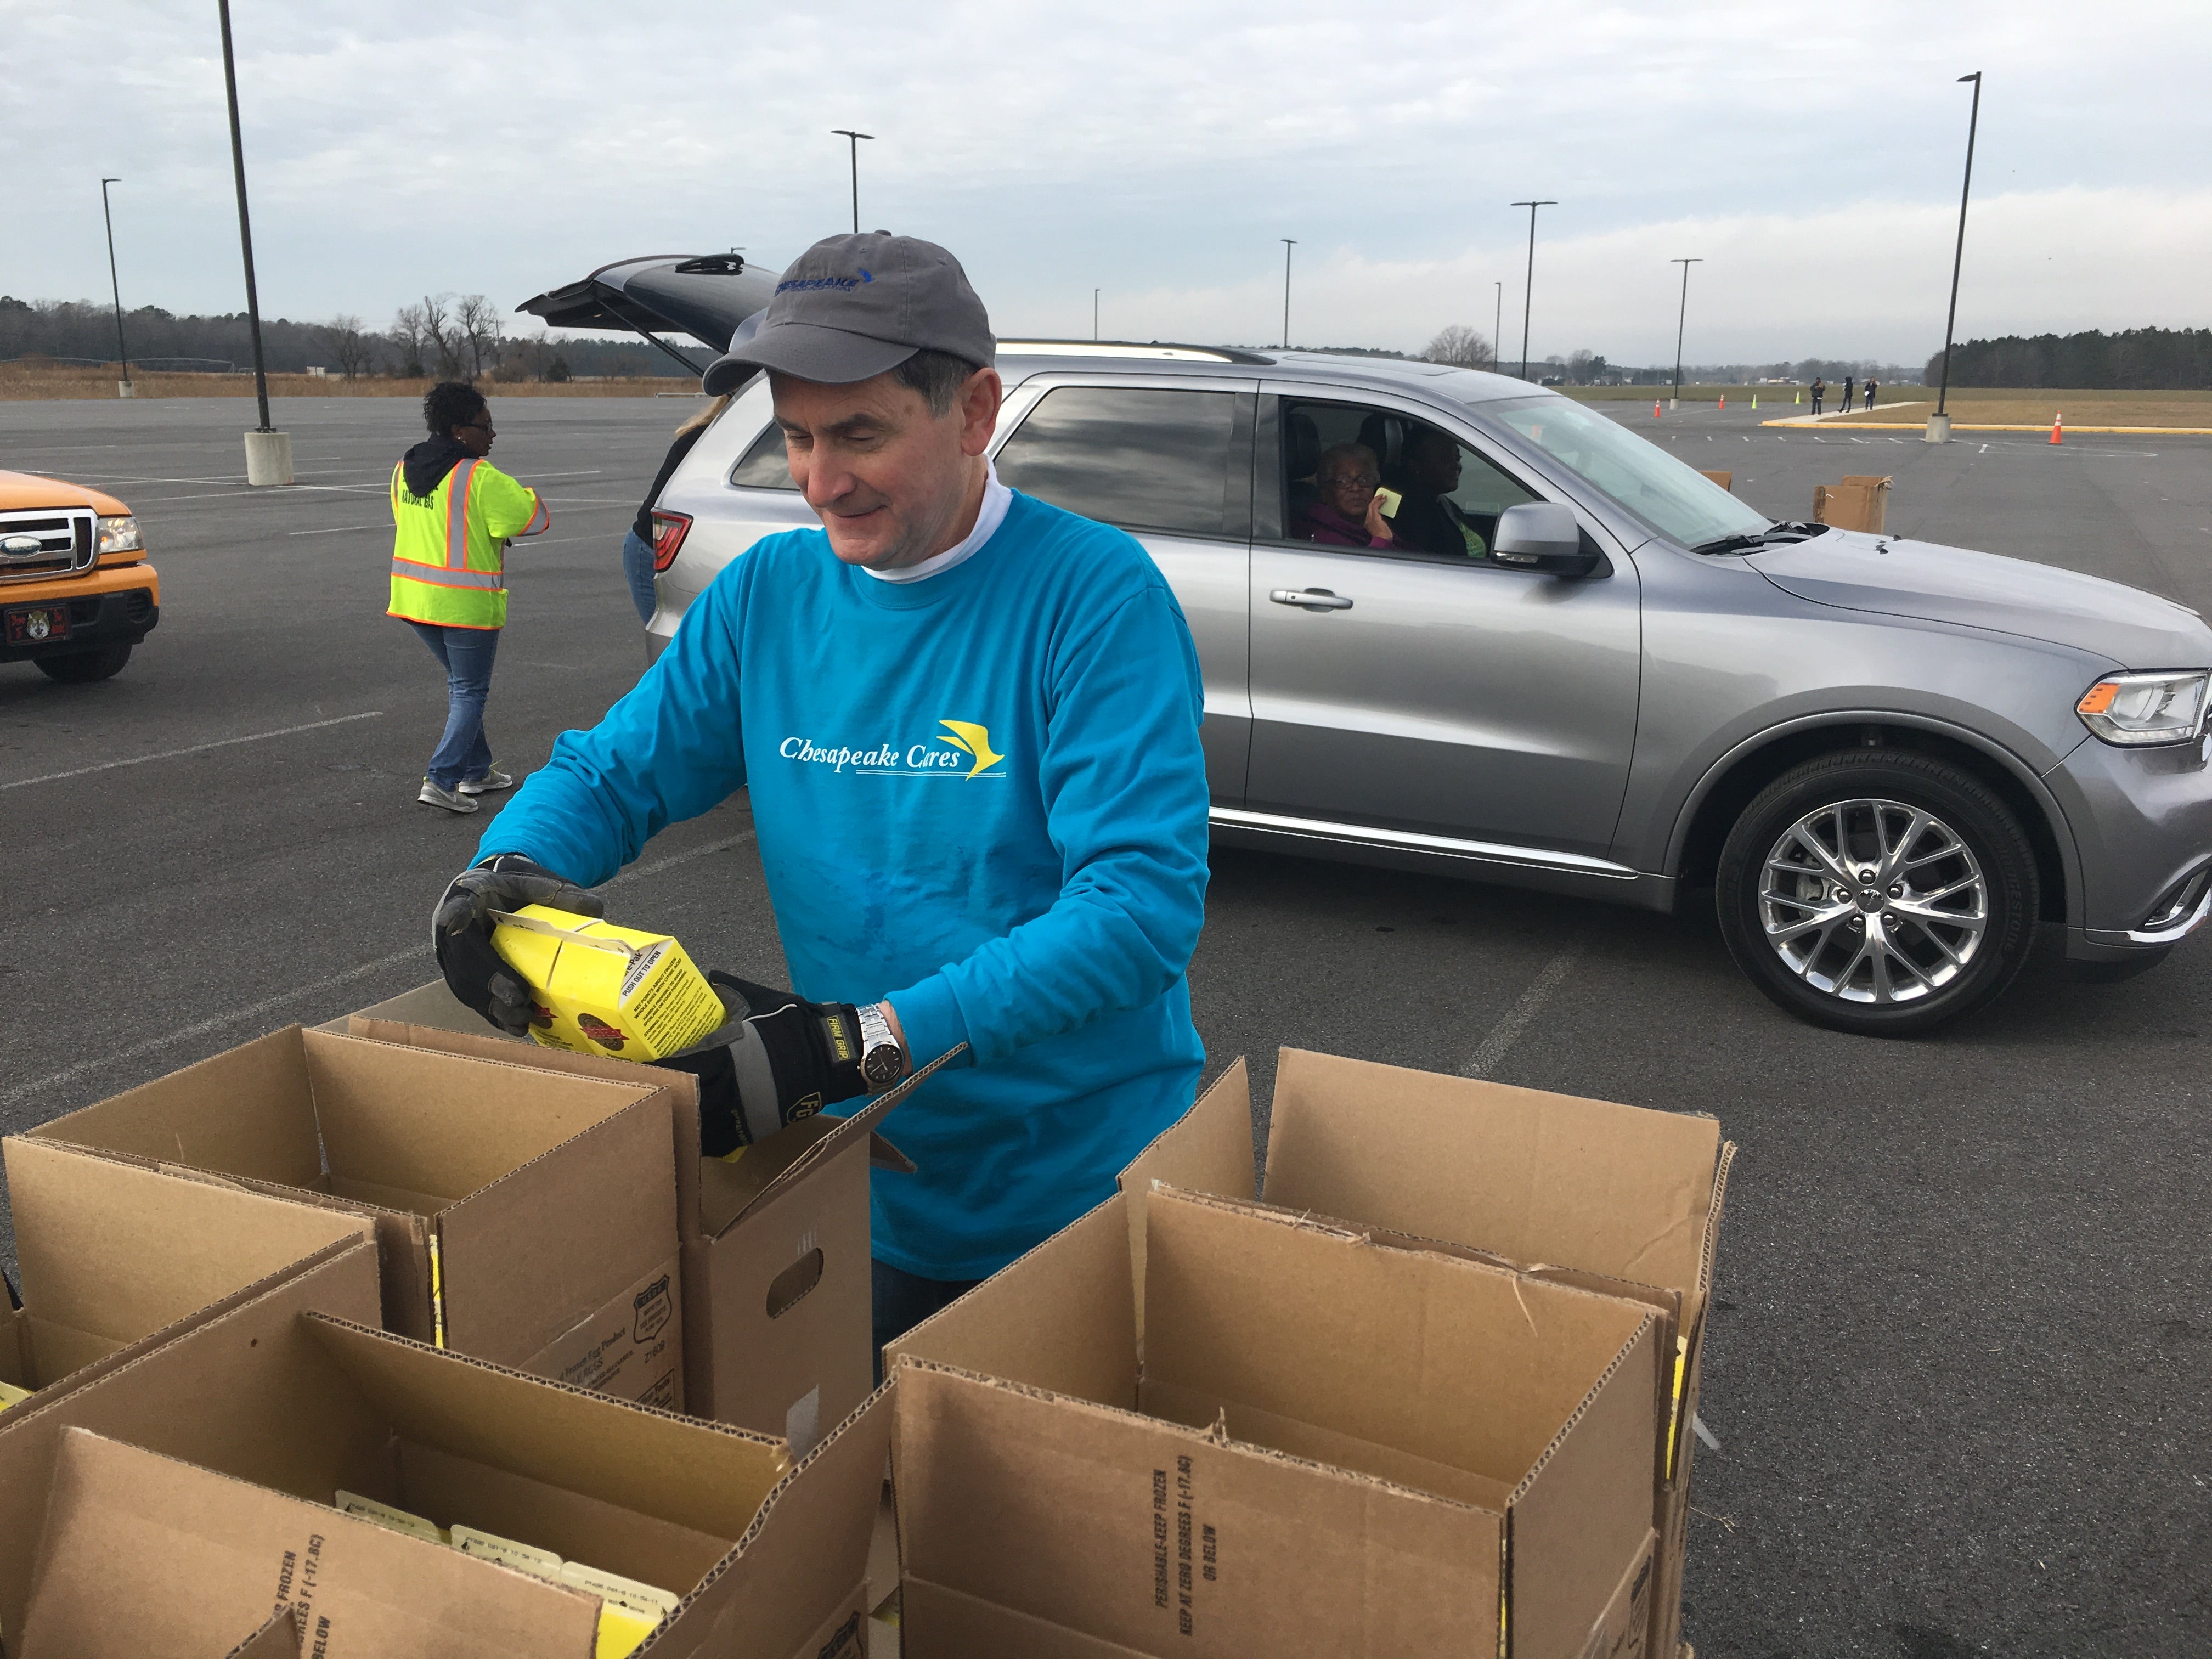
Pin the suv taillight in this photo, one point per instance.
(669, 529)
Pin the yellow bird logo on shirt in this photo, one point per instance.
(973, 740)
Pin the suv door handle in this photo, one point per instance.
(1310, 599)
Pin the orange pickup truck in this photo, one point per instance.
(75, 591)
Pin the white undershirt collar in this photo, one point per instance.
(997, 498)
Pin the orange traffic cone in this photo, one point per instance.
(1655, 409)
(2058, 421)
(1725, 400)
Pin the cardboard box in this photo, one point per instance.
(775, 1278)
(601, 989)
(109, 1254)
(1858, 503)
(767, 1559)
(523, 1217)
(1615, 1199)
(277, 1639)
(1725, 480)
(1324, 1444)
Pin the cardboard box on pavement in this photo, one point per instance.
(272, 1409)
(1859, 502)
(1324, 1444)
(526, 1219)
(110, 1254)
(776, 1280)
(1615, 1199)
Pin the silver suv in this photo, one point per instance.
(1588, 670)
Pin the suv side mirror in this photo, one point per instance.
(1542, 536)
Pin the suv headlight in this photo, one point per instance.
(119, 534)
(2139, 709)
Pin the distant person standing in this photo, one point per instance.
(637, 545)
(1846, 407)
(1819, 389)
(1869, 391)
(453, 513)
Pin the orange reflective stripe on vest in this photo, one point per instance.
(445, 569)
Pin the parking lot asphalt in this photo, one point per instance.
(1959, 1369)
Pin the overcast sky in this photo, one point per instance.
(1810, 155)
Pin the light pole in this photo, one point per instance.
(123, 387)
(268, 452)
(855, 138)
(1496, 324)
(1530, 295)
(1288, 244)
(1682, 317)
(1939, 424)
(1094, 314)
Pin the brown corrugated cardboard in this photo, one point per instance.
(1328, 1445)
(143, 1554)
(110, 1253)
(764, 1555)
(1725, 480)
(513, 1208)
(277, 1639)
(1859, 502)
(775, 1273)
(1615, 1199)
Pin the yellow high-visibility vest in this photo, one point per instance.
(449, 547)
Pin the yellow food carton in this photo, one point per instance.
(599, 989)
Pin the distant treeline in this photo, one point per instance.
(2136, 359)
(459, 338)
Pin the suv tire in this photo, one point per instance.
(83, 667)
(1882, 892)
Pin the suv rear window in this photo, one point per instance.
(1140, 458)
(767, 464)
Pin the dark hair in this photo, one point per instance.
(450, 403)
(937, 375)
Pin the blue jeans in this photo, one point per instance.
(637, 571)
(466, 654)
(902, 1300)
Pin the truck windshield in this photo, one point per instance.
(1674, 500)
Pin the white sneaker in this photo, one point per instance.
(492, 779)
(451, 799)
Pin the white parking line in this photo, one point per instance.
(337, 530)
(1504, 1034)
(270, 1005)
(192, 749)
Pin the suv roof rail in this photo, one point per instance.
(1161, 348)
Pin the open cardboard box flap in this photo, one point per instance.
(142, 1554)
(1364, 1487)
(296, 1393)
(110, 1252)
(545, 1204)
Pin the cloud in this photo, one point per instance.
(1871, 279)
(1155, 148)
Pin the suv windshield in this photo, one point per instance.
(1677, 501)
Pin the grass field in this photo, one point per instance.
(23, 384)
(2014, 406)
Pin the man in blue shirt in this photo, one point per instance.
(970, 724)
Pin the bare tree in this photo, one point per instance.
(349, 347)
(1460, 346)
(442, 337)
(477, 327)
(408, 333)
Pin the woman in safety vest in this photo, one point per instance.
(454, 512)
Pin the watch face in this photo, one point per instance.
(882, 1065)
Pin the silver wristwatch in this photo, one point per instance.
(882, 1059)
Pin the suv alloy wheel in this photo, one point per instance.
(1878, 892)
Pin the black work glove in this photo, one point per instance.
(460, 929)
(776, 1060)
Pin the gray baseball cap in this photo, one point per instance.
(852, 308)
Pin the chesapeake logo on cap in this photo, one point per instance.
(846, 284)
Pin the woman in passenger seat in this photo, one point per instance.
(1348, 513)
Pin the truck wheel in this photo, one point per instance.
(1878, 892)
(83, 667)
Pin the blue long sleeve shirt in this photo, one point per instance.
(979, 796)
